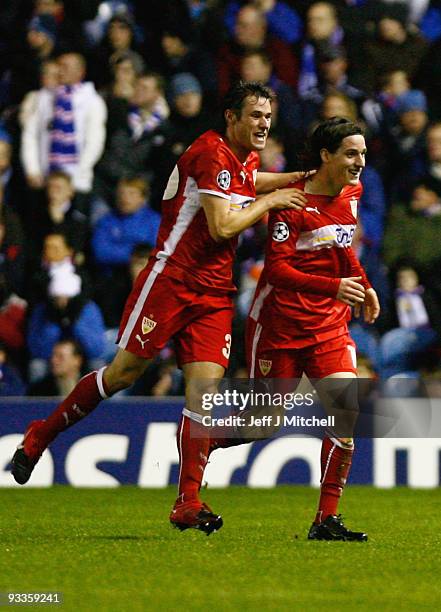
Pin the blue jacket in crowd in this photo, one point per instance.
(116, 235)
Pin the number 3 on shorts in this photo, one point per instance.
(227, 348)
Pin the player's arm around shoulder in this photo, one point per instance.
(269, 181)
(225, 223)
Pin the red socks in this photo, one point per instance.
(84, 398)
(335, 463)
(193, 446)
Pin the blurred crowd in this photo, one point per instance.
(98, 99)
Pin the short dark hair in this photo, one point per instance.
(237, 94)
(160, 82)
(327, 135)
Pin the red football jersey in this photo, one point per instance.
(307, 254)
(185, 249)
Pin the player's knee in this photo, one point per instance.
(197, 390)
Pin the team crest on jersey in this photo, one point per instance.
(223, 179)
(353, 202)
(280, 231)
(147, 325)
(265, 366)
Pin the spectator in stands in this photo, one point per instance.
(198, 21)
(257, 66)
(69, 16)
(12, 317)
(64, 309)
(380, 113)
(60, 216)
(126, 68)
(337, 104)
(133, 222)
(11, 382)
(272, 158)
(66, 363)
(12, 247)
(433, 147)
(5, 164)
(408, 142)
(424, 79)
(418, 225)
(118, 41)
(322, 28)
(414, 314)
(180, 53)
(250, 33)
(188, 120)
(332, 67)
(66, 131)
(49, 81)
(135, 130)
(41, 47)
(395, 48)
(431, 165)
(283, 21)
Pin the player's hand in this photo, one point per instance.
(287, 198)
(371, 306)
(350, 291)
(302, 174)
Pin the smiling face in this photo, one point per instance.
(346, 164)
(249, 131)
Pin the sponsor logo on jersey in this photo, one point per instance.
(326, 237)
(353, 204)
(147, 325)
(265, 366)
(280, 231)
(312, 209)
(223, 179)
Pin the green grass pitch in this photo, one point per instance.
(114, 550)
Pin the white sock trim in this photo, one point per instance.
(194, 416)
(100, 384)
(339, 443)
